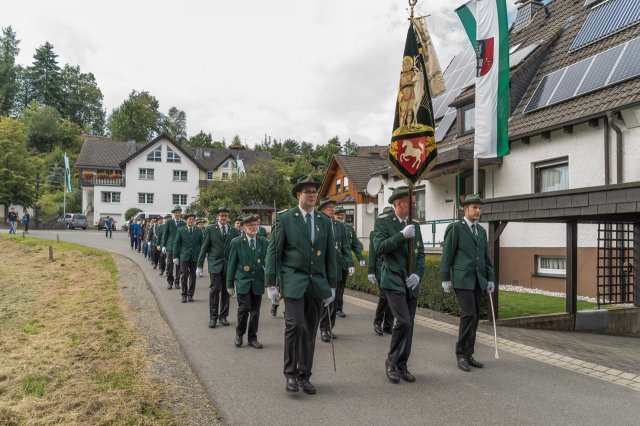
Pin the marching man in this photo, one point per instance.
(186, 248)
(169, 235)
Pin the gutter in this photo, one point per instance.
(614, 126)
(606, 150)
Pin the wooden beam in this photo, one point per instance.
(568, 129)
(526, 140)
(546, 135)
(572, 270)
(594, 122)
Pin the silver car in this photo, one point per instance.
(73, 221)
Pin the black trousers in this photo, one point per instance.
(383, 317)
(342, 284)
(154, 255)
(218, 296)
(249, 311)
(469, 301)
(171, 280)
(108, 233)
(301, 320)
(403, 308)
(162, 261)
(188, 276)
(324, 319)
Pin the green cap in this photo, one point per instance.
(193, 215)
(324, 202)
(223, 209)
(399, 193)
(472, 199)
(176, 209)
(302, 182)
(339, 210)
(249, 218)
(386, 211)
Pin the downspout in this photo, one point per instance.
(618, 131)
(606, 150)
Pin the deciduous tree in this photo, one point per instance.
(136, 119)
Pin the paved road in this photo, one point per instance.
(247, 385)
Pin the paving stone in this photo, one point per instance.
(614, 372)
(624, 381)
(601, 368)
(628, 376)
(589, 365)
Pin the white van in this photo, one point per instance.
(147, 215)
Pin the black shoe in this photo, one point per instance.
(405, 375)
(325, 335)
(213, 323)
(292, 385)
(474, 363)
(463, 364)
(255, 344)
(224, 321)
(184, 299)
(177, 286)
(161, 273)
(388, 330)
(392, 372)
(190, 298)
(333, 335)
(155, 266)
(238, 341)
(306, 386)
(378, 329)
(274, 310)
(341, 314)
(169, 286)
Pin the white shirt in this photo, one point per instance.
(469, 223)
(304, 218)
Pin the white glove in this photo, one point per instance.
(158, 248)
(372, 278)
(230, 291)
(491, 286)
(176, 261)
(409, 231)
(362, 263)
(274, 295)
(331, 298)
(164, 250)
(199, 271)
(352, 270)
(412, 281)
(447, 286)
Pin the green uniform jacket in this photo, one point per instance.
(187, 244)
(301, 262)
(465, 258)
(262, 232)
(246, 266)
(392, 246)
(216, 248)
(354, 243)
(343, 248)
(153, 234)
(375, 261)
(170, 231)
(159, 233)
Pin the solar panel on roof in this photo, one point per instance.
(629, 63)
(517, 56)
(600, 69)
(606, 19)
(445, 124)
(570, 81)
(545, 90)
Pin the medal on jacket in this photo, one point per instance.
(258, 261)
(318, 253)
(246, 268)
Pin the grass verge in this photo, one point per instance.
(514, 304)
(67, 353)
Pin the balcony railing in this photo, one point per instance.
(96, 181)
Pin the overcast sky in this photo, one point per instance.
(302, 69)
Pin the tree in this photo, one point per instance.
(82, 100)
(236, 140)
(175, 125)
(201, 139)
(45, 77)
(16, 168)
(42, 126)
(136, 119)
(25, 93)
(9, 84)
(55, 177)
(350, 148)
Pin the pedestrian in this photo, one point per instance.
(354, 246)
(162, 255)
(137, 235)
(246, 269)
(168, 236)
(400, 287)
(238, 225)
(26, 219)
(154, 243)
(383, 319)
(145, 239)
(302, 253)
(186, 248)
(344, 266)
(108, 227)
(467, 269)
(261, 231)
(12, 218)
(216, 248)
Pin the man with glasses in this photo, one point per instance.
(216, 247)
(302, 254)
(401, 288)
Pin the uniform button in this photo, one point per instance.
(312, 263)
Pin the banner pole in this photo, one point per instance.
(475, 175)
(410, 240)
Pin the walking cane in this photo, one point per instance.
(333, 351)
(495, 333)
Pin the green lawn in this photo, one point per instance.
(514, 304)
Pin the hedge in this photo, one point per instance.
(431, 294)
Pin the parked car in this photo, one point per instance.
(73, 221)
(101, 224)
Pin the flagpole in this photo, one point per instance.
(410, 240)
(64, 199)
(475, 175)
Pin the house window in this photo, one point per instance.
(155, 155)
(179, 175)
(145, 198)
(225, 175)
(209, 175)
(551, 175)
(180, 199)
(464, 186)
(172, 156)
(551, 265)
(207, 153)
(110, 197)
(420, 212)
(145, 174)
(349, 216)
(468, 114)
(338, 185)
(345, 184)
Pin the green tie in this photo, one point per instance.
(224, 230)
(474, 231)
(253, 244)
(309, 224)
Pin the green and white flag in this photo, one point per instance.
(67, 173)
(485, 22)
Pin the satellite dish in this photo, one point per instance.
(374, 186)
(371, 208)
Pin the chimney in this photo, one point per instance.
(199, 153)
(131, 145)
(526, 10)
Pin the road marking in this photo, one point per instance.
(617, 377)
